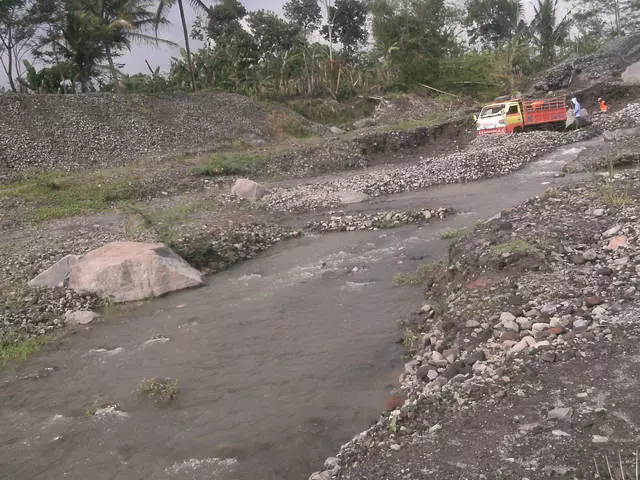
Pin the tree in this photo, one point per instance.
(88, 33)
(163, 5)
(348, 25)
(547, 32)
(493, 22)
(304, 13)
(17, 29)
(413, 36)
(224, 20)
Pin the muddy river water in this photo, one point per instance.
(279, 360)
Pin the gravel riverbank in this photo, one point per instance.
(524, 357)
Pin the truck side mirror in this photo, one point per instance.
(475, 118)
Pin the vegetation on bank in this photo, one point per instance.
(20, 349)
(339, 49)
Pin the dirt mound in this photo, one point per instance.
(606, 65)
(72, 131)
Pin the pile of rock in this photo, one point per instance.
(374, 221)
(627, 117)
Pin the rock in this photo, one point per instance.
(580, 324)
(511, 326)
(524, 322)
(128, 271)
(599, 439)
(57, 275)
(332, 464)
(432, 374)
(507, 317)
(395, 447)
(549, 309)
(562, 414)
(617, 242)
(348, 197)
(578, 259)
(472, 324)
(320, 476)
(539, 327)
(598, 212)
(599, 311)
(593, 301)
(335, 130)
(523, 344)
(590, 255)
(80, 317)
(248, 190)
(612, 231)
(510, 336)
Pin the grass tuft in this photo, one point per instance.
(422, 274)
(20, 349)
(614, 197)
(451, 234)
(160, 390)
(512, 247)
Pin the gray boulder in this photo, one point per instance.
(248, 189)
(129, 271)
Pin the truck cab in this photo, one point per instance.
(503, 117)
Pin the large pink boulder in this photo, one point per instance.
(128, 271)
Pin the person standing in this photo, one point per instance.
(604, 108)
(577, 112)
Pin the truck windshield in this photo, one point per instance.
(492, 111)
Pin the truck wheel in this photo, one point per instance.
(517, 130)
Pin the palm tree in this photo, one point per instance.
(547, 34)
(163, 5)
(87, 33)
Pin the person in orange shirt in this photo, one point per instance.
(603, 105)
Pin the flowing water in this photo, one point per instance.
(279, 360)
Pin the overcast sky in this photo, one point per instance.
(161, 56)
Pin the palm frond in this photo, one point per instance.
(152, 40)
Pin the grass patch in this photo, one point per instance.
(512, 247)
(616, 197)
(20, 349)
(232, 163)
(410, 340)
(451, 234)
(160, 390)
(57, 194)
(422, 274)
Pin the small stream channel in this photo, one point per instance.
(279, 360)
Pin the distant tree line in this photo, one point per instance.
(336, 48)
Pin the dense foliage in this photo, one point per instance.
(320, 47)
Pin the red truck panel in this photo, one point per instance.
(548, 110)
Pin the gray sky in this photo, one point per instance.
(161, 55)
